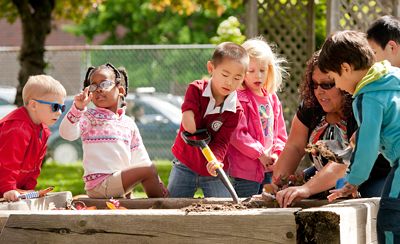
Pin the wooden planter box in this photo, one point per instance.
(163, 221)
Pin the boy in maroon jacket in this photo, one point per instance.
(209, 104)
(24, 133)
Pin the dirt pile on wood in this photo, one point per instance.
(264, 200)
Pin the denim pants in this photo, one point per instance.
(388, 220)
(248, 188)
(183, 182)
(245, 188)
(372, 187)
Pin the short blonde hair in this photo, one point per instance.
(259, 49)
(41, 85)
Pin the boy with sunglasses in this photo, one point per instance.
(348, 59)
(24, 133)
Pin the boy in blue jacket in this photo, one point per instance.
(349, 60)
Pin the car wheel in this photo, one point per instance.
(66, 152)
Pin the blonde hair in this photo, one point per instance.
(41, 85)
(259, 49)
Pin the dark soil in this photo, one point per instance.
(261, 201)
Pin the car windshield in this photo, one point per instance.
(167, 109)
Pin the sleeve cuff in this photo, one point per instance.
(354, 180)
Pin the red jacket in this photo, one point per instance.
(22, 149)
(191, 156)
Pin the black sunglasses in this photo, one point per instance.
(54, 106)
(325, 86)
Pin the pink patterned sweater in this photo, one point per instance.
(111, 142)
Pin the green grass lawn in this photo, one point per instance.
(68, 177)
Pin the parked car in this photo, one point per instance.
(151, 91)
(174, 99)
(8, 93)
(158, 122)
(5, 107)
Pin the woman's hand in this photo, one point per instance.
(213, 166)
(292, 194)
(345, 191)
(83, 99)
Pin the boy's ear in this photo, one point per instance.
(32, 105)
(210, 67)
(346, 68)
(394, 47)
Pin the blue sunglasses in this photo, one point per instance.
(54, 106)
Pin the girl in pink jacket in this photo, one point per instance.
(261, 134)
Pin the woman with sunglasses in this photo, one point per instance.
(324, 114)
(114, 158)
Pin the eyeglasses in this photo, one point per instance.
(54, 106)
(105, 84)
(325, 86)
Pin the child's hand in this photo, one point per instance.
(213, 166)
(164, 189)
(343, 192)
(11, 195)
(267, 160)
(83, 99)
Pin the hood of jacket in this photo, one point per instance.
(380, 77)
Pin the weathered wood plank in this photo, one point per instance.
(354, 219)
(152, 226)
(177, 203)
(366, 219)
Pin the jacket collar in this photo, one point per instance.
(228, 105)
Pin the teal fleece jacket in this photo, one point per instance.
(376, 108)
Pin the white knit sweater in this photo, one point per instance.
(110, 141)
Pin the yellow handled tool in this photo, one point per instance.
(209, 155)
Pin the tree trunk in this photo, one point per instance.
(36, 25)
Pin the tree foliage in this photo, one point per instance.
(36, 17)
(157, 22)
(67, 9)
(188, 7)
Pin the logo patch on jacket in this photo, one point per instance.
(216, 125)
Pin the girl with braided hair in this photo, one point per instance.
(114, 157)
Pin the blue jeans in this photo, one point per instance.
(183, 182)
(372, 187)
(387, 222)
(248, 188)
(267, 180)
(388, 226)
(309, 172)
(245, 188)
